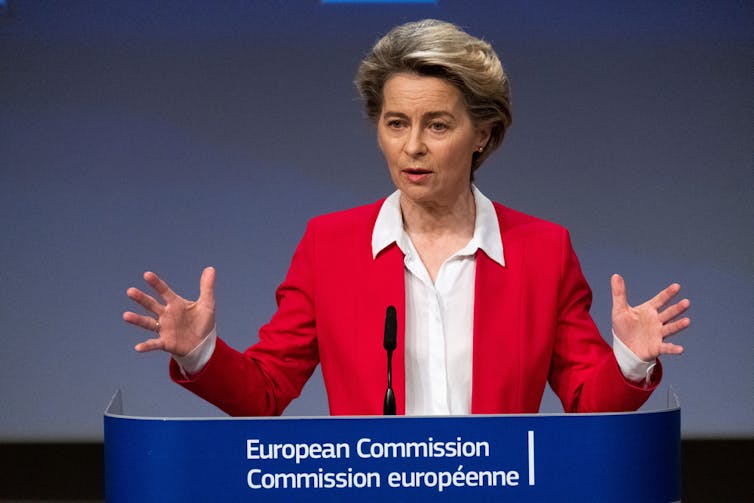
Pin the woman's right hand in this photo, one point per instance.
(180, 324)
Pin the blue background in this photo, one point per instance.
(174, 135)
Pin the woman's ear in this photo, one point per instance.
(484, 132)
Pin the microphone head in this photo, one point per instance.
(391, 329)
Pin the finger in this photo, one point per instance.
(141, 321)
(668, 348)
(159, 286)
(146, 301)
(674, 327)
(207, 285)
(618, 287)
(150, 345)
(664, 296)
(674, 310)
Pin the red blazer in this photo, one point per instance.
(531, 326)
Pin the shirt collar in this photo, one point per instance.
(388, 228)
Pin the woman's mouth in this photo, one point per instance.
(416, 175)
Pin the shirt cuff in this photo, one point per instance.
(633, 368)
(194, 362)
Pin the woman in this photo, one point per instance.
(491, 303)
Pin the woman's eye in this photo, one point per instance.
(438, 126)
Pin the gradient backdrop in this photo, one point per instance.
(173, 135)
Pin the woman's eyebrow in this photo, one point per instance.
(426, 115)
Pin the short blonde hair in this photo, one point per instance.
(439, 49)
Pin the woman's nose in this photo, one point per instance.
(415, 145)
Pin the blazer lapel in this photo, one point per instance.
(496, 368)
(386, 288)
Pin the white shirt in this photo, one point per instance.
(439, 316)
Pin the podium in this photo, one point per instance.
(615, 457)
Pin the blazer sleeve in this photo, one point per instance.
(584, 372)
(262, 380)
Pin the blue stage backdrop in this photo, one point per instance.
(174, 135)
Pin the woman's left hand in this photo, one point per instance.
(643, 328)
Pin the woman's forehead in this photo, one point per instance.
(403, 92)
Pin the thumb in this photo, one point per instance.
(618, 287)
(207, 285)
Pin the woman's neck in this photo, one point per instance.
(432, 219)
(438, 231)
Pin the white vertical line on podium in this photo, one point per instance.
(531, 457)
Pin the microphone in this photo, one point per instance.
(390, 342)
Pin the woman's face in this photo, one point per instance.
(427, 138)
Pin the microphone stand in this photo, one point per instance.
(390, 342)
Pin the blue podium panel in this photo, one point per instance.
(626, 457)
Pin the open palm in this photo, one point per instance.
(644, 328)
(180, 324)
